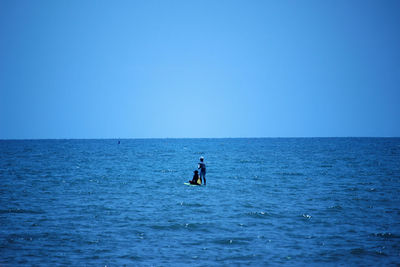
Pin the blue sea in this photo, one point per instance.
(268, 202)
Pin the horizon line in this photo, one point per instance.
(159, 138)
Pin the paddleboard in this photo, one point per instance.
(191, 184)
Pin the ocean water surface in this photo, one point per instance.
(291, 201)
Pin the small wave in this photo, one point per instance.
(194, 205)
(326, 166)
(20, 211)
(258, 214)
(386, 235)
(362, 251)
(12, 238)
(233, 241)
(358, 251)
(166, 171)
(175, 226)
(352, 189)
(202, 227)
(131, 257)
(336, 207)
(185, 226)
(251, 161)
(240, 258)
(92, 242)
(290, 173)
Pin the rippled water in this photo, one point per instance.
(267, 202)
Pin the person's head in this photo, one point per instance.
(201, 158)
(196, 172)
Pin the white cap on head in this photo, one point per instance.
(201, 157)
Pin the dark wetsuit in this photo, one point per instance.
(202, 167)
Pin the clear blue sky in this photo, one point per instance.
(132, 69)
